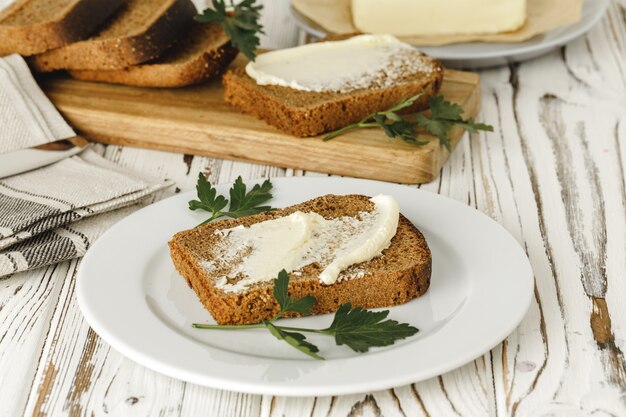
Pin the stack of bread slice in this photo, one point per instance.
(153, 43)
(30, 27)
(202, 53)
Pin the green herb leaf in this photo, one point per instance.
(444, 110)
(396, 129)
(403, 104)
(246, 204)
(357, 328)
(242, 203)
(208, 200)
(240, 23)
(286, 303)
(444, 115)
(472, 127)
(297, 340)
(361, 329)
(438, 128)
(392, 123)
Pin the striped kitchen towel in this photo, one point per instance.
(61, 244)
(27, 118)
(54, 213)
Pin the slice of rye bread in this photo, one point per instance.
(140, 31)
(303, 113)
(400, 274)
(29, 27)
(203, 53)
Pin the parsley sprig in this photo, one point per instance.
(356, 328)
(392, 123)
(240, 22)
(242, 202)
(444, 115)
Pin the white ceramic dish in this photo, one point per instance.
(130, 294)
(484, 54)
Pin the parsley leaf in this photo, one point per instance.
(242, 203)
(444, 110)
(438, 128)
(402, 104)
(473, 127)
(402, 129)
(246, 204)
(297, 340)
(208, 198)
(356, 328)
(286, 303)
(360, 329)
(444, 115)
(392, 123)
(240, 23)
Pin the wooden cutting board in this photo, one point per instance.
(196, 120)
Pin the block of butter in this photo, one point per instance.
(438, 17)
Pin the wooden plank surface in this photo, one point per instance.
(196, 120)
(552, 173)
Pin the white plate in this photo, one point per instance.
(485, 54)
(130, 294)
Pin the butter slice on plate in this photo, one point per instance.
(438, 17)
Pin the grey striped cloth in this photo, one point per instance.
(48, 215)
(28, 118)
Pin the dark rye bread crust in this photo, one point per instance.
(303, 113)
(400, 274)
(140, 31)
(203, 53)
(29, 27)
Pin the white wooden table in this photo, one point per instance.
(552, 173)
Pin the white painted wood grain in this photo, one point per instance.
(27, 303)
(552, 174)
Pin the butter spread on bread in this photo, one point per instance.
(260, 251)
(364, 61)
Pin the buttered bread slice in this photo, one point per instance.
(324, 86)
(322, 243)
